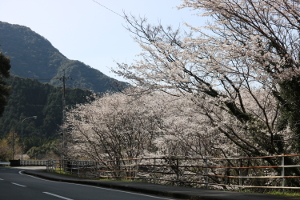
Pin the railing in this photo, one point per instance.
(255, 172)
(4, 163)
(234, 173)
(81, 168)
(33, 162)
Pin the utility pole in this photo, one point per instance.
(63, 79)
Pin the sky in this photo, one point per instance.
(92, 31)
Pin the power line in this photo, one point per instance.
(108, 9)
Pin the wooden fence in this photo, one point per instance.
(234, 173)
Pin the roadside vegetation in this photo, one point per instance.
(228, 89)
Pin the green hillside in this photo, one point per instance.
(33, 56)
(36, 71)
(29, 97)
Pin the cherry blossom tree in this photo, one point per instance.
(241, 70)
(112, 128)
(132, 125)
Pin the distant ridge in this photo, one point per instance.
(33, 56)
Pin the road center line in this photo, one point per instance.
(57, 196)
(18, 184)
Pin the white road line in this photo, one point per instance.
(57, 195)
(1, 179)
(139, 194)
(18, 184)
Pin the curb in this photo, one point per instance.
(111, 185)
(160, 190)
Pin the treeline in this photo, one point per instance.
(29, 97)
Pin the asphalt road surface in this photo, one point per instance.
(14, 185)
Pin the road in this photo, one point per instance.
(14, 185)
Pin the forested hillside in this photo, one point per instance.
(33, 56)
(29, 97)
(39, 91)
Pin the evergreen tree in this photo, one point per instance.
(4, 73)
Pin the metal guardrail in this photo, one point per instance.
(33, 162)
(27, 163)
(234, 173)
(4, 163)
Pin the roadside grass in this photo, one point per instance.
(62, 172)
(58, 171)
(4, 165)
(287, 194)
(277, 193)
(121, 180)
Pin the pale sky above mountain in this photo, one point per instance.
(92, 33)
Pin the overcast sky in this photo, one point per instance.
(86, 31)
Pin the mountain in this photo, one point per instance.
(33, 56)
(29, 97)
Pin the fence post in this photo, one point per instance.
(206, 172)
(77, 162)
(282, 172)
(228, 172)
(241, 164)
(96, 170)
(177, 169)
(154, 169)
(137, 169)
